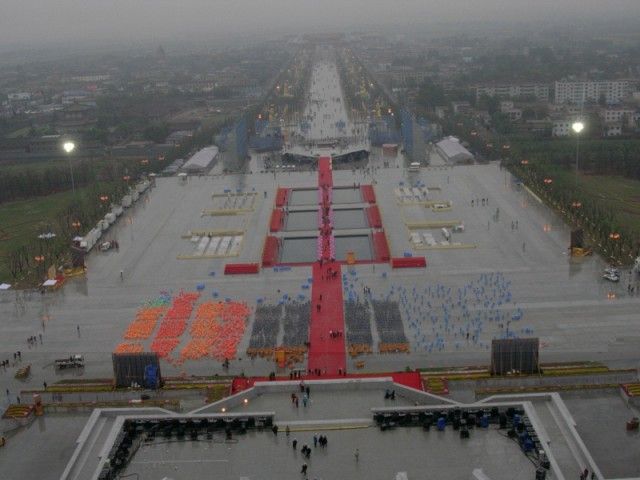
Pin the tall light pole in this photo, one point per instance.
(69, 147)
(577, 127)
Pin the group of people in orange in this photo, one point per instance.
(216, 331)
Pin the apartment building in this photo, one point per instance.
(578, 92)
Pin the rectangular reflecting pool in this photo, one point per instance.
(301, 220)
(306, 196)
(360, 245)
(347, 195)
(299, 250)
(349, 218)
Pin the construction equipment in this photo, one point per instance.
(23, 372)
(577, 247)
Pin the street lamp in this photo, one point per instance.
(39, 260)
(577, 127)
(69, 147)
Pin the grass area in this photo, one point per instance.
(22, 132)
(23, 220)
(619, 193)
(33, 166)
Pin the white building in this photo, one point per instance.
(539, 91)
(612, 130)
(460, 107)
(618, 115)
(202, 160)
(452, 151)
(581, 91)
(561, 128)
(508, 109)
(19, 97)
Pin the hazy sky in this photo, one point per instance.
(40, 21)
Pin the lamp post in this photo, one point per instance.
(69, 147)
(577, 127)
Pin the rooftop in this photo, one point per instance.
(201, 159)
(451, 147)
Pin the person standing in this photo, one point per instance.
(356, 454)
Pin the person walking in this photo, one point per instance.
(287, 431)
(294, 444)
(356, 454)
(303, 471)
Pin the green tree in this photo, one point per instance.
(430, 95)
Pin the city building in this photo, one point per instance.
(577, 92)
(538, 91)
(441, 112)
(622, 115)
(452, 151)
(562, 127)
(508, 109)
(612, 130)
(76, 117)
(460, 107)
(179, 136)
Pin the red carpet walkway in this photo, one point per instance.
(327, 354)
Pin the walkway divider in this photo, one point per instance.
(277, 218)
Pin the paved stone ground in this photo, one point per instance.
(564, 301)
(381, 456)
(42, 449)
(601, 419)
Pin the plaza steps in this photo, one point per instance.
(18, 411)
(631, 389)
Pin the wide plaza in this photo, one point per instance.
(563, 301)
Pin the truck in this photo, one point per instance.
(72, 361)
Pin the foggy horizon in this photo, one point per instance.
(30, 23)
